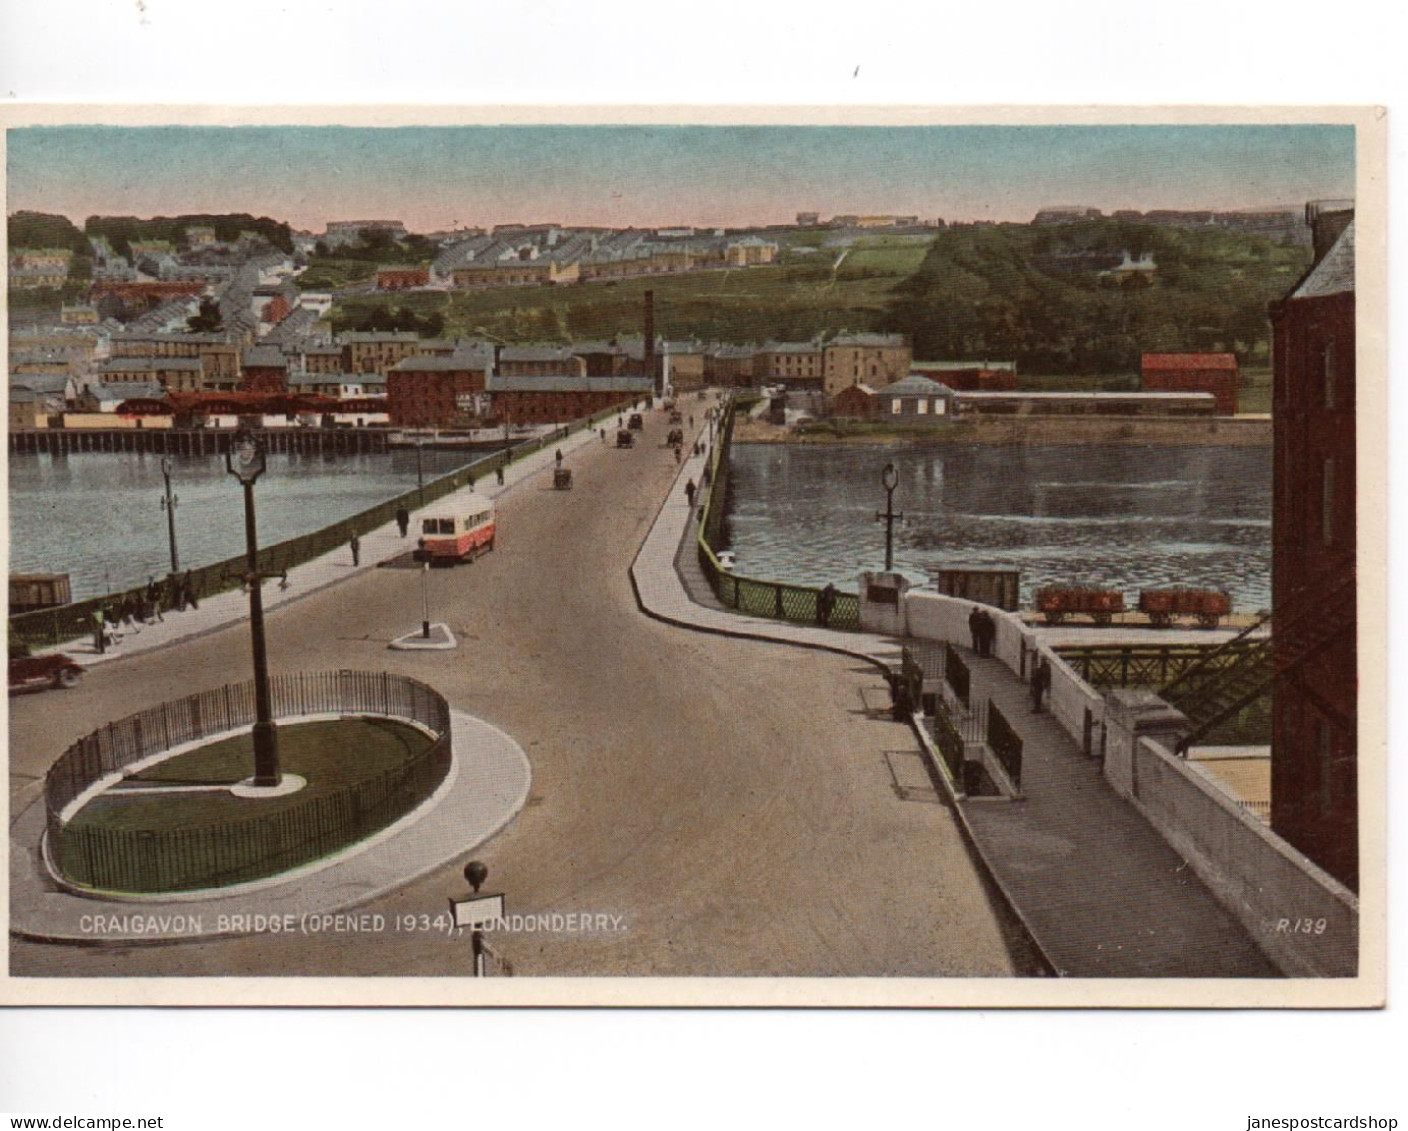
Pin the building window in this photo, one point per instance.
(939, 407)
(921, 406)
(895, 406)
(1327, 364)
(1327, 502)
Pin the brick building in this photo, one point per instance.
(1214, 373)
(971, 376)
(402, 278)
(529, 361)
(265, 370)
(553, 398)
(798, 364)
(437, 392)
(377, 353)
(875, 359)
(1314, 751)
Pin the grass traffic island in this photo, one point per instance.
(175, 826)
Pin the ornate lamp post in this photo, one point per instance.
(246, 462)
(420, 467)
(168, 504)
(889, 479)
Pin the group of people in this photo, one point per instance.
(142, 606)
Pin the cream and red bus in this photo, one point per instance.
(457, 531)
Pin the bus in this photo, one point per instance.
(457, 531)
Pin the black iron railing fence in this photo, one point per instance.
(1006, 744)
(779, 600)
(949, 741)
(45, 627)
(244, 848)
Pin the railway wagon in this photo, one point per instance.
(457, 531)
(30, 591)
(1057, 602)
(1162, 606)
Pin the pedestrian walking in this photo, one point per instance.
(100, 635)
(678, 457)
(986, 634)
(356, 546)
(499, 474)
(689, 492)
(558, 457)
(1041, 684)
(825, 602)
(403, 520)
(188, 591)
(975, 629)
(153, 595)
(603, 435)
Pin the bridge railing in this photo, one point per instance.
(778, 600)
(47, 627)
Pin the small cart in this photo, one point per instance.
(562, 478)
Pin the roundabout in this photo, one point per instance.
(485, 785)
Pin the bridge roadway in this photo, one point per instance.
(735, 803)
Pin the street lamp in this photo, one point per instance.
(889, 479)
(169, 505)
(246, 462)
(425, 599)
(420, 468)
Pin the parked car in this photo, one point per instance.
(33, 672)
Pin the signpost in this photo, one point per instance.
(476, 911)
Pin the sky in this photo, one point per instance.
(435, 178)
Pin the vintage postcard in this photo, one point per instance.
(765, 556)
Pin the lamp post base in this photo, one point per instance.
(266, 755)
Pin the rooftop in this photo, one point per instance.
(1334, 274)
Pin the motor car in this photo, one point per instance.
(37, 672)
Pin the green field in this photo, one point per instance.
(332, 756)
(790, 302)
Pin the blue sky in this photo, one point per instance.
(434, 177)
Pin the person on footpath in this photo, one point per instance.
(987, 631)
(689, 492)
(188, 592)
(1041, 684)
(356, 546)
(825, 602)
(154, 597)
(100, 633)
(975, 629)
(403, 520)
(499, 473)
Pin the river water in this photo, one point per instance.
(97, 516)
(1125, 516)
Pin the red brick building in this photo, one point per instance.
(854, 402)
(1214, 373)
(436, 392)
(552, 399)
(970, 376)
(402, 278)
(1314, 752)
(265, 370)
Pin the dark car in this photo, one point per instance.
(637, 422)
(56, 670)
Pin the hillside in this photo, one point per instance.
(804, 296)
(1051, 299)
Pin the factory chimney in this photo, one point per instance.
(649, 332)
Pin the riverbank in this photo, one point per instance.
(1237, 431)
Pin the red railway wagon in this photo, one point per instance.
(1162, 606)
(458, 531)
(1057, 602)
